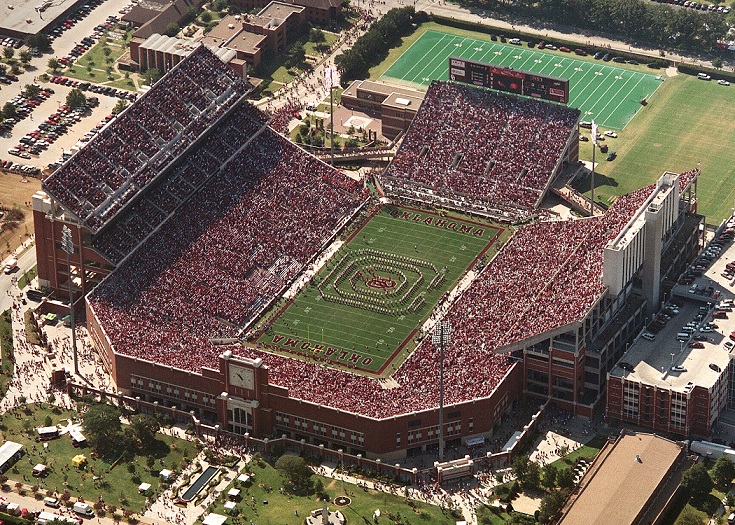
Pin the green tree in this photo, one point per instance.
(717, 63)
(172, 29)
(101, 424)
(143, 429)
(316, 35)
(54, 65)
(549, 476)
(565, 478)
(47, 422)
(532, 479)
(294, 470)
(688, 517)
(9, 110)
(152, 76)
(75, 98)
(38, 41)
(120, 106)
(295, 56)
(723, 472)
(550, 505)
(31, 90)
(206, 17)
(25, 56)
(696, 481)
(520, 467)
(8, 52)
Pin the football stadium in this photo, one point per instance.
(230, 275)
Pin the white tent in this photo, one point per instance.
(214, 519)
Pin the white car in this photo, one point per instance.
(611, 134)
(515, 41)
(723, 82)
(703, 76)
(648, 336)
(729, 345)
(678, 369)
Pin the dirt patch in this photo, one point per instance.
(16, 192)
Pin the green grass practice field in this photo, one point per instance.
(689, 122)
(365, 306)
(608, 94)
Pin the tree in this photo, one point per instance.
(316, 35)
(9, 110)
(520, 467)
(549, 477)
(25, 56)
(696, 481)
(723, 472)
(120, 106)
(717, 63)
(206, 17)
(296, 55)
(31, 91)
(532, 479)
(294, 470)
(8, 52)
(688, 517)
(172, 29)
(144, 428)
(53, 65)
(75, 98)
(550, 505)
(102, 425)
(38, 41)
(152, 76)
(565, 478)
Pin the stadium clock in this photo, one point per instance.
(242, 377)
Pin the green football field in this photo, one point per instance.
(364, 308)
(608, 94)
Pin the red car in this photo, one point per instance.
(696, 344)
(732, 336)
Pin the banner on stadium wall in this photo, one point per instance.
(509, 80)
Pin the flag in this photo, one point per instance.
(594, 133)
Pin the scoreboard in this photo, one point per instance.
(509, 80)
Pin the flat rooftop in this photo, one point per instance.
(21, 15)
(652, 360)
(620, 485)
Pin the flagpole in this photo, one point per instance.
(592, 184)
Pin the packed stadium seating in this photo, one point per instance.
(129, 153)
(179, 183)
(240, 239)
(481, 148)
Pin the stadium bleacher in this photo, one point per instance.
(482, 149)
(131, 152)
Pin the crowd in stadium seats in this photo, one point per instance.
(243, 236)
(482, 146)
(175, 186)
(131, 151)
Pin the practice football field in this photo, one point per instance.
(608, 94)
(364, 308)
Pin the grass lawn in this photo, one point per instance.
(364, 307)
(329, 39)
(689, 121)
(117, 485)
(6, 344)
(27, 277)
(588, 452)
(281, 509)
(96, 56)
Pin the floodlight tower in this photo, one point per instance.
(67, 244)
(441, 336)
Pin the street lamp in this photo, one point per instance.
(441, 336)
(68, 246)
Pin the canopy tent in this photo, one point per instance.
(79, 461)
(214, 519)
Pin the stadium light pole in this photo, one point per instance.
(592, 184)
(442, 335)
(67, 244)
(332, 80)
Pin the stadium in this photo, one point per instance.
(228, 273)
